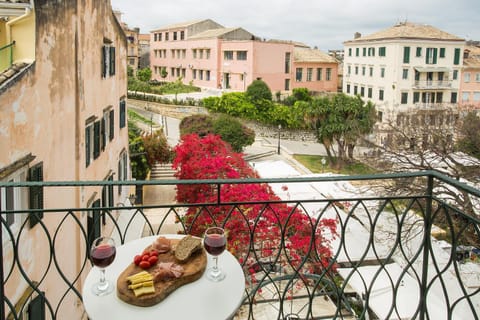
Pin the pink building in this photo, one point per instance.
(470, 80)
(208, 55)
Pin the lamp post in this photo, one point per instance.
(279, 128)
(323, 161)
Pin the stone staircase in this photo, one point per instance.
(162, 171)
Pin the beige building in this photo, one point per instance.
(133, 53)
(144, 51)
(406, 69)
(62, 118)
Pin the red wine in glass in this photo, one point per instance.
(215, 242)
(102, 254)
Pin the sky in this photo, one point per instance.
(316, 23)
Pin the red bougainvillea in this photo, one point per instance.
(255, 230)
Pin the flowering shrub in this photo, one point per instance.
(255, 230)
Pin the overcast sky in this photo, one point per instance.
(324, 24)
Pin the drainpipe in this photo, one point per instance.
(28, 13)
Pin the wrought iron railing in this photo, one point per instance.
(403, 246)
(6, 56)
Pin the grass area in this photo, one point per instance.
(314, 164)
(135, 117)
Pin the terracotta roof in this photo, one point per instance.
(180, 25)
(473, 60)
(295, 43)
(312, 55)
(215, 33)
(144, 36)
(409, 30)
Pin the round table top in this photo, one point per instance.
(202, 299)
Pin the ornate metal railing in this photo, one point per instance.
(403, 246)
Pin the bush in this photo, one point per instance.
(199, 124)
(233, 132)
(258, 90)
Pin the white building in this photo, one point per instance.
(405, 69)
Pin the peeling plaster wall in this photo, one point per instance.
(44, 113)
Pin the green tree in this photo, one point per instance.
(339, 120)
(469, 140)
(144, 74)
(163, 73)
(138, 159)
(258, 90)
(234, 132)
(157, 148)
(199, 123)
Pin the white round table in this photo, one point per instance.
(202, 299)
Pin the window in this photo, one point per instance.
(182, 35)
(349, 70)
(241, 55)
(184, 53)
(382, 51)
(364, 51)
(36, 193)
(349, 52)
(123, 112)
(453, 97)
(362, 91)
(287, 84)
(477, 77)
(160, 37)
(122, 168)
(200, 74)
(155, 36)
(355, 90)
(107, 128)
(455, 75)
(382, 72)
(466, 77)
(108, 60)
(328, 75)
(166, 36)
(96, 139)
(456, 56)
(172, 51)
(418, 52)
(416, 97)
(476, 96)
(406, 54)
(319, 74)
(228, 55)
(194, 74)
(405, 74)
(348, 88)
(380, 94)
(431, 56)
(465, 96)
(174, 35)
(207, 75)
(14, 199)
(287, 62)
(356, 69)
(357, 52)
(194, 53)
(207, 54)
(404, 98)
(371, 71)
(363, 70)
(200, 53)
(309, 74)
(370, 92)
(442, 52)
(298, 74)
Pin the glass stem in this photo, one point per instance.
(103, 284)
(215, 266)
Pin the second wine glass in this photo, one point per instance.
(215, 242)
(102, 254)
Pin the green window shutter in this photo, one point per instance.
(104, 61)
(122, 113)
(112, 61)
(442, 52)
(103, 134)
(406, 54)
(36, 307)
(35, 173)
(416, 97)
(111, 122)
(364, 52)
(357, 52)
(87, 146)
(456, 58)
(96, 139)
(419, 52)
(435, 53)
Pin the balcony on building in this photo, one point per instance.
(432, 78)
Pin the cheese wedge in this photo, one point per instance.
(140, 277)
(144, 290)
(141, 284)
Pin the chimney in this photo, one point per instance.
(357, 35)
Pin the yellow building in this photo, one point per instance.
(62, 118)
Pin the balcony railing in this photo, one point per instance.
(433, 84)
(406, 253)
(6, 56)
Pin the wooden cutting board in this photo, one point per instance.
(194, 268)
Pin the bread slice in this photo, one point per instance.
(186, 247)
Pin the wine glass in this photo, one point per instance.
(102, 254)
(215, 242)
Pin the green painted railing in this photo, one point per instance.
(405, 246)
(6, 56)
